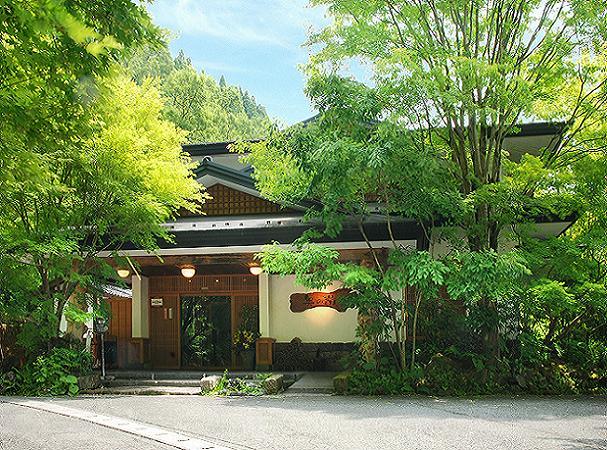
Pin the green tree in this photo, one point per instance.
(110, 189)
(51, 56)
(464, 74)
(563, 317)
(424, 141)
(50, 52)
(207, 110)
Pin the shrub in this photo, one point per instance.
(51, 374)
(383, 382)
(237, 386)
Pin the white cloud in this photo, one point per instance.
(282, 23)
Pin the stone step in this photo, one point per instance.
(166, 375)
(310, 390)
(155, 374)
(143, 382)
(185, 374)
(145, 390)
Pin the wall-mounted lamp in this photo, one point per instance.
(122, 272)
(188, 271)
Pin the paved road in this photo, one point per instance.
(27, 429)
(323, 422)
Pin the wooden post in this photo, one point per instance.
(264, 353)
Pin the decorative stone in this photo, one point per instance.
(273, 384)
(209, 383)
(340, 382)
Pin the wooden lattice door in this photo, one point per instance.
(164, 333)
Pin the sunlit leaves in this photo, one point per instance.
(550, 298)
(466, 73)
(415, 269)
(110, 189)
(477, 276)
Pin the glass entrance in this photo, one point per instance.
(206, 332)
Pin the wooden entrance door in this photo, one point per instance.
(164, 333)
(206, 336)
(165, 336)
(120, 333)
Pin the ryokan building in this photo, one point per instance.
(170, 321)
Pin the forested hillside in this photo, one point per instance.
(208, 110)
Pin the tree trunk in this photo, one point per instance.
(368, 342)
(418, 300)
(58, 315)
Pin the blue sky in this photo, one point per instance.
(256, 44)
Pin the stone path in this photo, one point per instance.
(314, 383)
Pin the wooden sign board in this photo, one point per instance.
(156, 302)
(303, 302)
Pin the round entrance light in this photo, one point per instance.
(122, 272)
(188, 271)
(255, 270)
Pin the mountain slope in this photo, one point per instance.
(207, 110)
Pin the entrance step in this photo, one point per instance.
(145, 390)
(169, 382)
(144, 382)
(155, 374)
(314, 383)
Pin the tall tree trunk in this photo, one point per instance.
(368, 341)
(418, 300)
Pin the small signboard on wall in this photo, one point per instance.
(156, 302)
(303, 302)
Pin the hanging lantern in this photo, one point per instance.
(188, 271)
(255, 270)
(122, 272)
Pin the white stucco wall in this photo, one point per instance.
(313, 325)
(440, 245)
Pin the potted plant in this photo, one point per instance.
(246, 335)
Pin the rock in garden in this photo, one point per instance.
(273, 384)
(209, 383)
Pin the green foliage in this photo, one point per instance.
(42, 78)
(54, 373)
(195, 102)
(424, 140)
(458, 77)
(83, 157)
(415, 269)
(386, 382)
(228, 386)
(340, 162)
(109, 189)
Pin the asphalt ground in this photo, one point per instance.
(309, 421)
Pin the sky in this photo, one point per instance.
(256, 44)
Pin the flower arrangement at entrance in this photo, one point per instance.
(244, 340)
(247, 332)
(245, 336)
